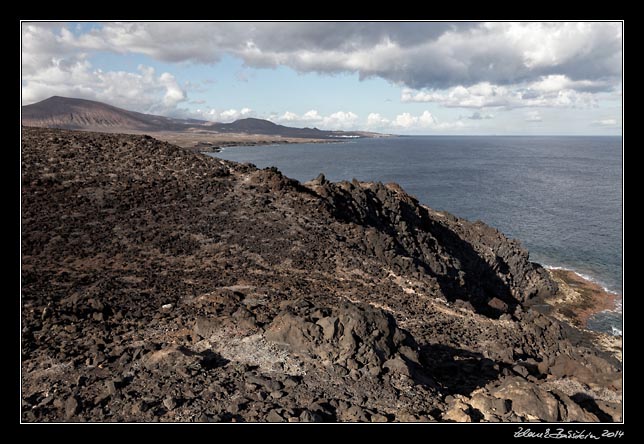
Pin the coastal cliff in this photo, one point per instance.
(160, 284)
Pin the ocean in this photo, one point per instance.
(561, 197)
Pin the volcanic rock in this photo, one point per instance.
(322, 301)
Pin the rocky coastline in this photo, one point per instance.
(212, 142)
(578, 299)
(216, 147)
(160, 284)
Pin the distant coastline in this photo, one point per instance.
(209, 147)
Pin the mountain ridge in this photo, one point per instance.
(89, 115)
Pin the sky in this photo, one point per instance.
(466, 78)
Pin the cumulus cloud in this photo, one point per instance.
(213, 115)
(307, 117)
(376, 121)
(472, 65)
(51, 66)
(435, 55)
(312, 116)
(173, 92)
(542, 93)
(558, 82)
(346, 120)
(140, 91)
(289, 117)
(407, 120)
(426, 119)
(340, 120)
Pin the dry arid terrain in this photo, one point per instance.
(199, 135)
(213, 142)
(159, 284)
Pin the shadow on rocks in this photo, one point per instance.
(457, 371)
(410, 240)
(210, 360)
(475, 281)
(207, 360)
(588, 403)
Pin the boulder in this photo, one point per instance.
(349, 335)
(457, 412)
(527, 400)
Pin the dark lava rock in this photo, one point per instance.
(353, 336)
(159, 284)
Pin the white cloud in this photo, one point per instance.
(558, 82)
(340, 120)
(375, 120)
(139, 91)
(549, 91)
(406, 120)
(52, 65)
(343, 120)
(173, 94)
(434, 55)
(229, 115)
(608, 122)
(312, 116)
(426, 119)
(533, 116)
(347, 120)
(476, 96)
(501, 65)
(289, 117)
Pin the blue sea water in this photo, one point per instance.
(560, 196)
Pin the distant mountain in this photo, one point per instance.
(81, 114)
(64, 112)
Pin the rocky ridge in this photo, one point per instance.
(159, 284)
(89, 115)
